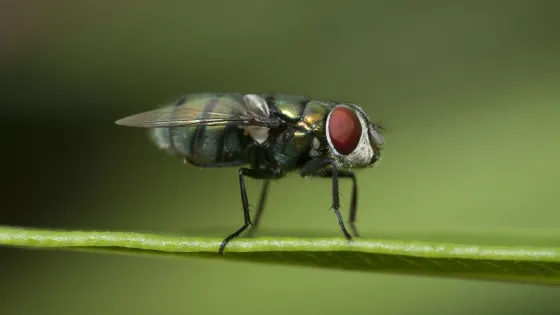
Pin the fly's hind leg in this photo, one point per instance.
(252, 173)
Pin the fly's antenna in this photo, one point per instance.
(378, 124)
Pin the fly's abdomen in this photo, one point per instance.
(203, 145)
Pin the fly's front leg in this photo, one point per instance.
(354, 199)
(256, 174)
(318, 164)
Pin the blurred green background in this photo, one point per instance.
(468, 91)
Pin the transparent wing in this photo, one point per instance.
(180, 116)
(203, 109)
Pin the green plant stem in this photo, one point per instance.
(506, 263)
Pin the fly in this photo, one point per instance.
(267, 136)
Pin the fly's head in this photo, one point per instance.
(352, 139)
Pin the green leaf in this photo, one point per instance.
(539, 265)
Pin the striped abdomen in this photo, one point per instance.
(203, 145)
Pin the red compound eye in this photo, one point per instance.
(345, 130)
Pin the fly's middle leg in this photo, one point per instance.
(272, 171)
(260, 207)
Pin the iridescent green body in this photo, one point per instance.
(230, 145)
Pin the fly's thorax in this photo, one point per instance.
(291, 106)
(353, 141)
(312, 124)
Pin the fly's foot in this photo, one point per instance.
(232, 236)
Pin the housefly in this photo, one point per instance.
(267, 136)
